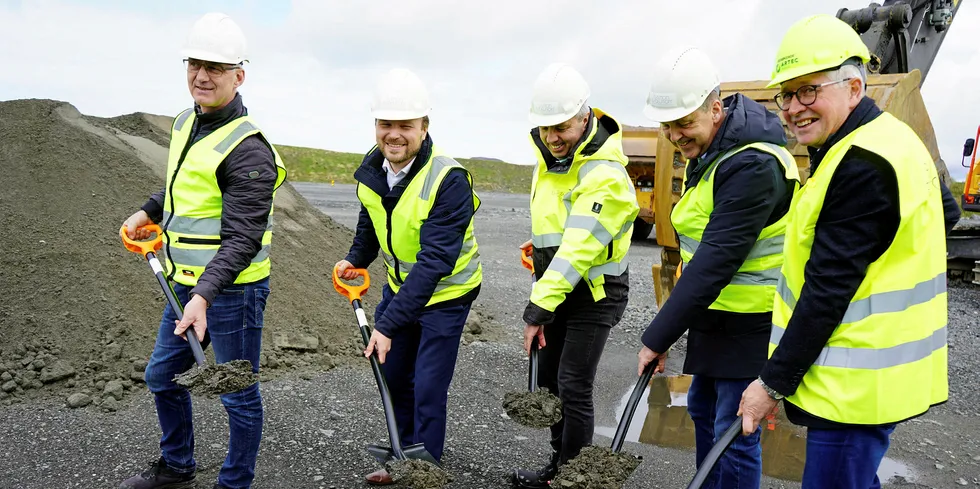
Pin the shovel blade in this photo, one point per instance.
(384, 454)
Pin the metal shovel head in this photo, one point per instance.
(384, 454)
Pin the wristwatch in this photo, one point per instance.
(769, 390)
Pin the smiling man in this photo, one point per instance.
(417, 208)
(216, 213)
(582, 210)
(858, 339)
(730, 222)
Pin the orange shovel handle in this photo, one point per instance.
(526, 259)
(352, 292)
(143, 247)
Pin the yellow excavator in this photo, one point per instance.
(903, 37)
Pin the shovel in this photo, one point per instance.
(215, 379)
(534, 408)
(395, 452)
(715, 453)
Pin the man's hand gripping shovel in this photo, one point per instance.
(213, 379)
(395, 453)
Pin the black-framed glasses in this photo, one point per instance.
(806, 95)
(213, 69)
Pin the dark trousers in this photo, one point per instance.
(235, 322)
(419, 368)
(713, 404)
(845, 458)
(567, 368)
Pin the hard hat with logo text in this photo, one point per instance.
(816, 43)
(558, 94)
(682, 80)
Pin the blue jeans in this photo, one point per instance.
(419, 368)
(235, 332)
(846, 458)
(713, 404)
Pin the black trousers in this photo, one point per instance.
(567, 367)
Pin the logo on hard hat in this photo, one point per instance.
(661, 99)
(547, 108)
(785, 61)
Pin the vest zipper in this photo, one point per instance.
(199, 241)
(394, 257)
(609, 255)
(170, 192)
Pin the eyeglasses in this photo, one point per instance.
(806, 95)
(213, 69)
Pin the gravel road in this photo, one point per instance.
(316, 425)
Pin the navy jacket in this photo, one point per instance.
(245, 201)
(857, 223)
(750, 193)
(441, 237)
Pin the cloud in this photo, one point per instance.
(313, 63)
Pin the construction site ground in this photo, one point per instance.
(78, 315)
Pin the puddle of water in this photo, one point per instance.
(661, 419)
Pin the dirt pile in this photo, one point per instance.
(539, 409)
(596, 468)
(78, 312)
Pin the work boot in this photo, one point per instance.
(159, 476)
(536, 479)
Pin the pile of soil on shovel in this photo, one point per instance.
(596, 468)
(79, 313)
(418, 474)
(539, 409)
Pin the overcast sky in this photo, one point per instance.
(313, 63)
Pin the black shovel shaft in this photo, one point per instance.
(715, 453)
(532, 368)
(168, 291)
(624, 422)
(393, 437)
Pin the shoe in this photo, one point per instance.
(159, 476)
(536, 479)
(379, 477)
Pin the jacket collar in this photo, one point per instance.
(865, 112)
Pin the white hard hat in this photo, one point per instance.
(399, 96)
(682, 80)
(217, 38)
(558, 94)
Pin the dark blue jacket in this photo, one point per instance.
(750, 193)
(441, 237)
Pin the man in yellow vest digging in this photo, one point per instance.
(216, 215)
(582, 209)
(417, 207)
(858, 339)
(730, 223)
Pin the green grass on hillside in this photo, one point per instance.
(318, 165)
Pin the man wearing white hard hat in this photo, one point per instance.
(730, 221)
(216, 214)
(582, 209)
(417, 207)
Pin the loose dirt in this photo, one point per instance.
(78, 312)
(218, 379)
(418, 474)
(596, 468)
(539, 409)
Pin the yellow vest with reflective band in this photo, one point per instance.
(587, 212)
(886, 361)
(754, 284)
(192, 201)
(399, 235)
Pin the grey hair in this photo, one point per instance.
(851, 70)
(714, 94)
(584, 111)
